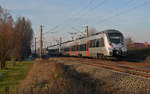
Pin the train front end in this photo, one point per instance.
(116, 44)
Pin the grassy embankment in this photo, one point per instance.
(11, 76)
(48, 77)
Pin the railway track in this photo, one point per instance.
(127, 70)
(110, 65)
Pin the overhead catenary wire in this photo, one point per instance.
(99, 5)
(73, 13)
(125, 11)
(51, 30)
(86, 9)
(102, 3)
(69, 19)
(119, 8)
(122, 12)
(85, 13)
(105, 2)
(80, 13)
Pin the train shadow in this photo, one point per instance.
(137, 55)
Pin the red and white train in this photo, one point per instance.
(106, 43)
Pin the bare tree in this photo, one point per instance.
(15, 52)
(129, 40)
(23, 27)
(15, 39)
(7, 36)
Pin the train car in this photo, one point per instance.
(106, 43)
(53, 50)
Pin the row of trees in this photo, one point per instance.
(15, 37)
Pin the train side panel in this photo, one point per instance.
(106, 43)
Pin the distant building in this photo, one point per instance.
(139, 45)
(146, 44)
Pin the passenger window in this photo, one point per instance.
(102, 42)
(81, 47)
(84, 47)
(97, 43)
(94, 43)
(73, 48)
(78, 47)
(90, 43)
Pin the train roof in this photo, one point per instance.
(67, 41)
(104, 31)
(53, 45)
(108, 31)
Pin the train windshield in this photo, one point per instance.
(115, 37)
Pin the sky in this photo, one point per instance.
(59, 17)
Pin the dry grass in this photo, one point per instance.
(147, 60)
(47, 77)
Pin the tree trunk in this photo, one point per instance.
(13, 61)
(0, 65)
(3, 64)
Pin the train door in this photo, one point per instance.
(63, 50)
(76, 52)
(70, 48)
(87, 48)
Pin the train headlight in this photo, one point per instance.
(124, 49)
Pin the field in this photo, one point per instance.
(13, 75)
